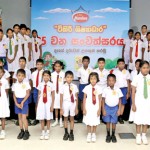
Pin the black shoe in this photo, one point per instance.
(130, 122)
(113, 137)
(121, 121)
(66, 136)
(108, 139)
(20, 135)
(80, 121)
(17, 123)
(35, 122)
(71, 137)
(26, 135)
(29, 122)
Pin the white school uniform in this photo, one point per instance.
(140, 117)
(91, 117)
(34, 76)
(4, 37)
(36, 55)
(134, 73)
(61, 82)
(28, 74)
(84, 74)
(20, 89)
(133, 45)
(43, 109)
(121, 77)
(3, 48)
(68, 106)
(143, 37)
(102, 77)
(112, 96)
(146, 53)
(11, 66)
(4, 105)
(127, 43)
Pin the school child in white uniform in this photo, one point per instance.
(36, 47)
(143, 32)
(21, 90)
(36, 80)
(27, 45)
(102, 72)
(46, 93)
(69, 104)
(58, 80)
(19, 39)
(122, 81)
(147, 47)
(3, 49)
(126, 47)
(141, 102)
(12, 49)
(4, 105)
(83, 76)
(136, 50)
(92, 106)
(111, 107)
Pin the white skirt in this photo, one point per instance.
(4, 107)
(57, 101)
(43, 111)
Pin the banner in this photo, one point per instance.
(71, 29)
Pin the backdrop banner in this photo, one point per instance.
(71, 29)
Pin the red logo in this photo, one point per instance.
(80, 15)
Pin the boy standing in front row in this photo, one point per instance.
(69, 104)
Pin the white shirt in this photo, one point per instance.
(143, 37)
(146, 53)
(6, 74)
(66, 93)
(102, 77)
(140, 46)
(3, 48)
(34, 76)
(134, 73)
(61, 79)
(84, 74)
(28, 75)
(127, 43)
(138, 82)
(121, 77)
(20, 89)
(112, 96)
(36, 41)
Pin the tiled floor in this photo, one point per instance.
(56, 143)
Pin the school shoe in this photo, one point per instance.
(26, 135)
(93, 137)
(46, 137)
(113, 138)
(144, 140)
(35, 122)
(2, 135)
(71, 137)
(138, 140)
(20, 135)
(66, 136)
(55, 124)
(89, 138)
(108, 139)
(29, 122)
(42, 135)
(121, 120)
(17, 123)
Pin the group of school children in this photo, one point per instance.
(100, 92)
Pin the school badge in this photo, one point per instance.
(113, 92)
(23, 86)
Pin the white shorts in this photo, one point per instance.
(69, 109)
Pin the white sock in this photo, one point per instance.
(47, 131)
(93, 134)
(56, 119)
(138, 135)
(60, 120)
(89, 134)
(43, 131)
(143, 134)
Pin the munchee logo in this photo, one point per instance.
(80, 15)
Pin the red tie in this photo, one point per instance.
(72, 98)
(45, 94)
(36, 49)
(148, 46)
(136, 51)
(57, 84)
(93, 96)
(37, 79)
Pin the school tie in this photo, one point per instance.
(45, 94)
(93, 96)
(37, 79)
(148, 46)
(70, 91)
(136, 50)
(57, 84)
(36, 49)
(145, 89)
(10, 47)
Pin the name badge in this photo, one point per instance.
(23, 86)
(49, 89)
(95, 92)
(124, 71)
(60, 79)
(113, 92)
